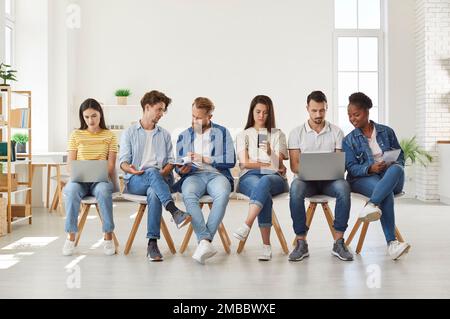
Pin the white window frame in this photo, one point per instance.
(10, 22)
(362, 33)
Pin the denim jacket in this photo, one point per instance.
(358, 155)
(132, 146)
(222, 152)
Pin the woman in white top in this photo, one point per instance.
(261, 150)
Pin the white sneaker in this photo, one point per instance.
(397, 249)
(369, 213)
(108, 248)
(204, 251)
(266, 253)
(68, 248)
(242, 232)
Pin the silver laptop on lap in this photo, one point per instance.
(89, 171)
(322, 166)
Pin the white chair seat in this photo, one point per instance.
(282, 196)
(319, 199)
(91, 200)
(140, 199)
(365, 198)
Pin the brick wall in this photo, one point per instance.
(433, 88)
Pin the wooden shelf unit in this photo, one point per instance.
(6, 132)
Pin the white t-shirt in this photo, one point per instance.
(375, 147)
(305, 139)
(203, 146)
(248, 140)
(149, 157)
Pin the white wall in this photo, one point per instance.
(401, 75)
(229, 51)
(32, 63)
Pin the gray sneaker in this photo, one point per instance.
(300, 251)
(341, 251)
(153, 253)
(181, 218)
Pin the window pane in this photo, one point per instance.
(344, 123)
(369, 14)
(8, 45)
(8, 7)
(345, 14)
(347, 54)
(368, 84)
(347, 84)
(368, 54)
(374, 114)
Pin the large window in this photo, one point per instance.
(358, 56)
(9, 32)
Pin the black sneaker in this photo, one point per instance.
(181, 218)
(153, 253)
(341, 251)
(300, 251)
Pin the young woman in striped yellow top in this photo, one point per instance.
(92, 141)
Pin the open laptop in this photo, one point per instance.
(89, 171)
(322, 166)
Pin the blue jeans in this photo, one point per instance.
(260, 188)
(219, 188)
(381, 188)
(74, 193)
(153, 185)
(338, 189)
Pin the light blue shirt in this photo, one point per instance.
(132, 145)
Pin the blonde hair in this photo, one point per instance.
(205, 104)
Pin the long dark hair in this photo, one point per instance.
(261, 99)
(91, 104)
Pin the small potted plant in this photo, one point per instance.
(21, 141)
(413, 153)
(7, 74)
(122, 96)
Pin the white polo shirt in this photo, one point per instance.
(305, 139)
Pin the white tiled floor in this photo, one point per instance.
(35, 268)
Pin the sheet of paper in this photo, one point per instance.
(391, 156)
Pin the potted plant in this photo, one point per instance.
(413, 153)
(7, 74)
(122, 96)
(21, 141)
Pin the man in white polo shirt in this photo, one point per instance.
(317, 136)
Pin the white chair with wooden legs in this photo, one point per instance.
(226, 242)
(323, 200)
(86, 204)
(56, 205)
(275, 223)
(142, 201)
(365, 227)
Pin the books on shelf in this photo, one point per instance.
(20, 118)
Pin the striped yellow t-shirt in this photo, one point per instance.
(92, 146)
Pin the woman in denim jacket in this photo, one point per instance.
(369, 174)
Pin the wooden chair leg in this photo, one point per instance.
(186, 239)
(362, 236)
(223, 238)
(54, 202)
(135, 228)
(167, 236)
(48, 186)
(84, 215)
(279, 232)
(309, 217)
(329, 216)
(353, 232)
(398, 235)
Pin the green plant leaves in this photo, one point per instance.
(414, 153)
